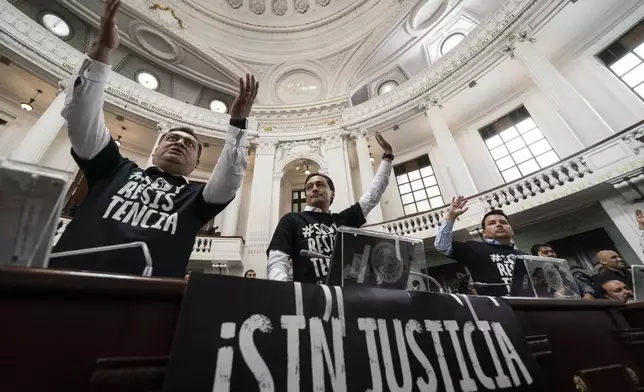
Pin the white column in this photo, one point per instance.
(162, 128)
(275, 200)
(230, 218)
(258, 234)
(453, 160)
(339, 171)
(34, 145)
(366, 173)
(582, 119)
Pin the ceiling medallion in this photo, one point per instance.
(324, 3)
(301, 5)
(280, 7)
(157, 6)
(235, 3)
(258, 6)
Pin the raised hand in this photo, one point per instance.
(384, 144)
(456, 208)
(639, 217)
(243, 103)
(108, 34)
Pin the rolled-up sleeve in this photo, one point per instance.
(443, 240)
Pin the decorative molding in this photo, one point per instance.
(61, 86)
(336, 140)
(288, 152)
(258, 6)
(160, 7)
(323, 3)
(235, 3)
(431, 102)
(280, 7)
(301, 6)
(265, 146)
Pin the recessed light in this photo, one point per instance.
(147, 80)
(56, 25)
(218, 106)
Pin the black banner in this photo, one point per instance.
(238, 334)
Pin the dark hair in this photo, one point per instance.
(190, 132)
(328, 180)
(537, 247)
(415, 282)
(246, 273)
(493, 212)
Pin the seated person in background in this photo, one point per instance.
(415, 285)
(250, 274)
(614, 289)
(156, 205)
(612, 267)
(314, 229)
(545, 250)
(489, 261)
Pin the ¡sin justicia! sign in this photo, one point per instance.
(239, 334)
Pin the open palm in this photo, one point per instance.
(243, 103)
(108, 34)
(457, 207)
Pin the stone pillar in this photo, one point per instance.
(34, 145)
(258, 234)
(338, 169)
(275, 200)
(162, 129)
(230, 218)
(366, 173)
(582, 119)
(452, 159)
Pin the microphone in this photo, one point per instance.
(309, 253)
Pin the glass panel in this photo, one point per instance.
(639, 50)
(423, 205)
(494, 141)
(410, 209)
(509, 134)
(303, 195)
(511, 174)
(515, 144)
(505, 163)
(640, 90)
(528, 167)
(433, 191)
(499, 152)
(414, 175)
(540, 147)
(634, 77)
(408, 198)
(302, 206)
(532, 136)
(625, 64)
(420, 195)
(429, 181)
(416, 185)
(426, 171)
(526, 125)
(548, 158)
(402, 179)
(522, 155)
(404, 189)
(295, 208)
(436, 202)
(451, 42)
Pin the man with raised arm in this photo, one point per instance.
(156, 205)
(489, 261)
(314, 229)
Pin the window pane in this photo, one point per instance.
(522, 155)
(410, 209)
(515, 144)
(499, 152)
(303, 195)
(639, 50)
(634, 77)
(402, 179)
(420, 195)
(532, 136)
(302, 206)
(547, 159)
(505, 163)
(404, 189)
(509, 134)
(429, 181)
(540, 147)
(433, 191)
(494, 141)
(426, 171)
(526, 125)
(436, 202)
(294, 208)
(295, 195)
(423, 205)
(416, 185)
(625, 64)
(528, 167)
(414, 175)
(511, 174)
(408, 198)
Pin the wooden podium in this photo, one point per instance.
(65, 331)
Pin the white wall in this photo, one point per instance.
(242, 224)
(20, 122)
(58, 155)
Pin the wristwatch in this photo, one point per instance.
(241, 123)
(389, 156)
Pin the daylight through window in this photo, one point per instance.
(417, 185)
(625, 58)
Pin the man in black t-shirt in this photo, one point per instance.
(489, 261)
(314, 229)
(126, 203)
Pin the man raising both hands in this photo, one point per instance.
(156, 205)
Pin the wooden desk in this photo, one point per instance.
(56, 325)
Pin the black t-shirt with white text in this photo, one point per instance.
(126, 204)
(313, 231)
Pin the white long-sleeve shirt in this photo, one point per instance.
(278, 261)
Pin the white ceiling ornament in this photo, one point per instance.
(157, 43)
(425, 14)
(324, 3)
(301, 6)
(288, 152)
(235, 3)
(298, 84)
(280, 7)
(258, 6)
